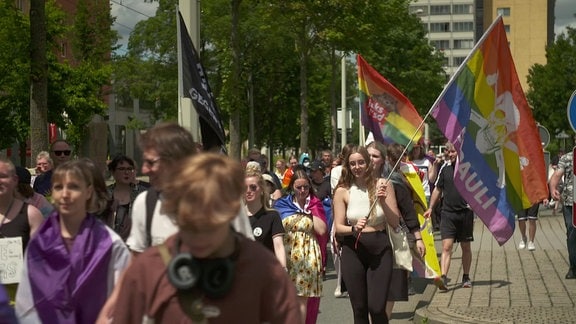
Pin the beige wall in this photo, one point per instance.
(528, 34)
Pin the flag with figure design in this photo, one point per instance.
(484, 113)
(386, 112)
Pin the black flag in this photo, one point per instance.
(196, 87)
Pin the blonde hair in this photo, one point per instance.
(207, 183)
(265, 196)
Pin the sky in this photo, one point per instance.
(128, 13)
(564, 12)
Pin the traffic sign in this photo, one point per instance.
(544, 135)
(572, 111)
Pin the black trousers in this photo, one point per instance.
(367, 270)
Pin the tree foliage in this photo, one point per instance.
(551, 85)
(286, 62)
(75, 89)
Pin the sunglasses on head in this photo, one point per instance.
(59, 153)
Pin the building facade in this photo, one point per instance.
(529, 27)
(454, 27)
(451, 28)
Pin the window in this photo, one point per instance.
(462, 9)
(507, 28)
(439, 10)
(419, 10)
(63, 49)
(440, 27)
(463, 43)
(505, 12)
(458, 60)
(441, 45)
(463, 26)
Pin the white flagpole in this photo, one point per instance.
(461, 67)
(484, 36)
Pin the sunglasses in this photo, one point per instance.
(59, 153)
(252, 188)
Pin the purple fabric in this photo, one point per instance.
(7, 315)
(69, 286)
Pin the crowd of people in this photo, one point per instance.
(211, 239)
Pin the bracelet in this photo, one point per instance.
(353, 228)
(419, 239)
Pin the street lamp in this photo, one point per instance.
(563, 136)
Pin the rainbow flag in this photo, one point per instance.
(386, 112)
(484, 112)
(427, 267)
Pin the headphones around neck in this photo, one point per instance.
(214, 277)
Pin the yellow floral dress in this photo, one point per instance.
(303, 255)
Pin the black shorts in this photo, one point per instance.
(458, 226)
(529, 213)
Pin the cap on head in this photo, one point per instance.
(317, 165)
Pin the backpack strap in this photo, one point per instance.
(151, 200)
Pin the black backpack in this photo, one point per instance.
(151, 201)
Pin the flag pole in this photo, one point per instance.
(452, 78)
(461, 67)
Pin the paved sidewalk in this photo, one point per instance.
(509, 285)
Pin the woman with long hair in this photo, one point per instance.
(383, 160)
(305, 239)
(364, 207)
(265, 221)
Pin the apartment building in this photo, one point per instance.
(529, 27)
(454, 26)
(451, 28)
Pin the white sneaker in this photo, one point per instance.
(531, 246)
(522, 245)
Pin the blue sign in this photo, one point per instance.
(572, 111)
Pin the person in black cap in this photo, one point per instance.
(320, 182)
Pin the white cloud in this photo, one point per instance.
(564, 15)
(128, 13)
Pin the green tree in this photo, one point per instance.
(552, 84)
(149, 70)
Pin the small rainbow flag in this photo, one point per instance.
(484, 112)
(386, 112)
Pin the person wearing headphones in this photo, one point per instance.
(206, 272)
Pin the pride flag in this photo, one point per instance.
(484, 112)
(386, 112)
(427, 267)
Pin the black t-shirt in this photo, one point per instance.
(452, 200)
(265, 225)
(405, 202)
(323, 189)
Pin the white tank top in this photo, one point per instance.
(359, 206)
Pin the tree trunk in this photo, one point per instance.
(38, 79)
(235, 89)
(333, 108)
(304, 127)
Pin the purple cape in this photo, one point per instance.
(69, 286)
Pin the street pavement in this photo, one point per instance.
(509, 285)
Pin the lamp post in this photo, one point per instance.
(563, 136)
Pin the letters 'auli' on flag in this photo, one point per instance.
(195, 86)
(385, 111)
(484, 112)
